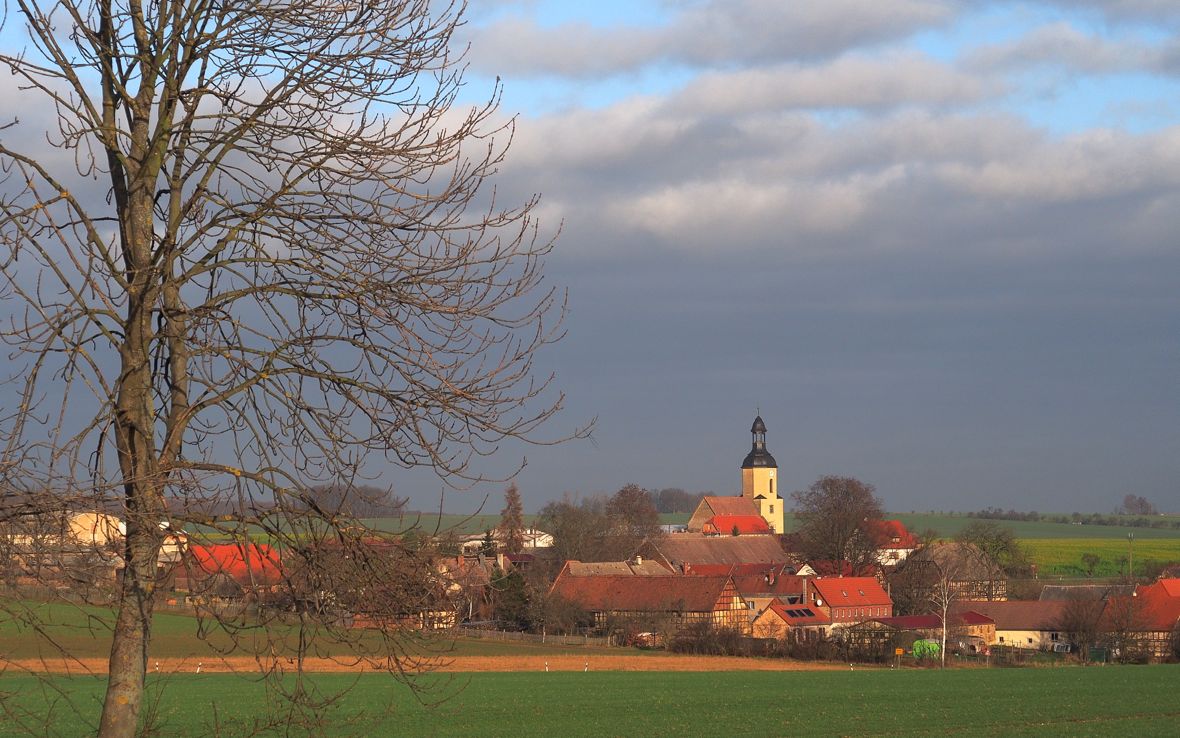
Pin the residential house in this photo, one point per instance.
(796, 622)
(848, 600)
(896, 543)
(760, 590)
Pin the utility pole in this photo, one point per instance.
(1130, 556)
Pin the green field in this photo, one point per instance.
(948, 525)
(1070, 701)
(39, 630)
(1063, 556)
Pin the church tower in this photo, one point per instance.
(760, 477)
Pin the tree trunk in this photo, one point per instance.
(129, 650)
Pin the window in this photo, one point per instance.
(772, 509)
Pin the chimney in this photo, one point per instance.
(638, 560)
(803, 600)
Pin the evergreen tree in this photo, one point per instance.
(512, 521)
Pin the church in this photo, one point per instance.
(759, 509)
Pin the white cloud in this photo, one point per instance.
(1063, 44)
(855, 82)
(728, 32)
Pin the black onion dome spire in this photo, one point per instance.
(758, 455)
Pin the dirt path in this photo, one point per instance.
(573, 662)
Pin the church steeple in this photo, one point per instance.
(759, 473)
(758, 455)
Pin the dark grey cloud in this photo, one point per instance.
(959, 307)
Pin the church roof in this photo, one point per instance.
(759, 457)
(730, 505)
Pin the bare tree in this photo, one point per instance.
(1136, 505)
(837, 521)
(263, 250)
(943, 595)
(1080, 624)
(631, 514)
(998, 544)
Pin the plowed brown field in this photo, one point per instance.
(622, 662)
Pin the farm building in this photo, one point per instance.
(965, 623)
(972, 575)
(1021, 624)
(533, 538)
(1146, 621)
(636, 567)
(672, 600)
(683, 551)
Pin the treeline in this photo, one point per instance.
(676, 500)
(995, 513)
(357, 501)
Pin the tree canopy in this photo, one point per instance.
(253, 245)
(838, 519)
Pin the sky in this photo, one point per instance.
(931, 242)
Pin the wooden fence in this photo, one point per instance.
(557, 640)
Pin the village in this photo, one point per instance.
(731, 581)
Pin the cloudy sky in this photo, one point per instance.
(933, 242)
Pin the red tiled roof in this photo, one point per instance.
(1152, 608)
(799, 614)
(852, 592)
(931, 621)
(246, 564)
(970, 617)
(893, 534)
(745, 525)
(641, 594)
(750, 585)
(739, 570)
(1170, 586)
